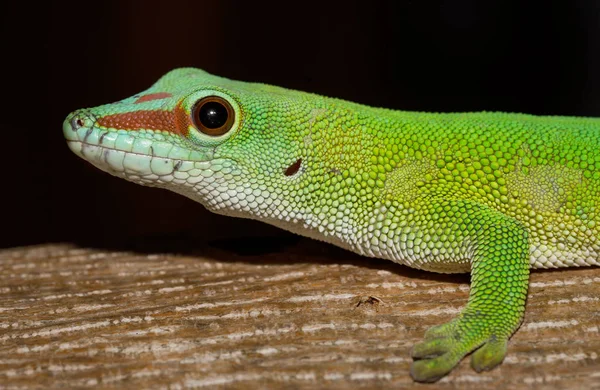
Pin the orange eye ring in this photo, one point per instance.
(213, 116)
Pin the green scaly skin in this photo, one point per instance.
(491, 193)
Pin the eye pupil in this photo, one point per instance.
(213, 115)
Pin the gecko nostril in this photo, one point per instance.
(78, 121)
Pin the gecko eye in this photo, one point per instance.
(213, 115)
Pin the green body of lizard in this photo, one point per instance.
(491, 193)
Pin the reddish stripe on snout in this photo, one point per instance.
(153, 96)
(176, 121)
(143, 119)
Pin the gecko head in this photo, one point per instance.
(238, 148)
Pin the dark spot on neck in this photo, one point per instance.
(293, 169)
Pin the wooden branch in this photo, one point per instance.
(307, 315)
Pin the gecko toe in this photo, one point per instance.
(489, 355)
(431, 370)
(431, 348)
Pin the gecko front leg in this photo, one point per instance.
(499, 256)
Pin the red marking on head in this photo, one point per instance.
(183, 121)
(176, 121)
(153, 96)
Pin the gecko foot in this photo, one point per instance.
(444, 347)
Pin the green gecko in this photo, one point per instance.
(494, 194)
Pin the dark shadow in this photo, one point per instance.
(281, 249)
(254, 246)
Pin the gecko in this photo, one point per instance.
(491, 193)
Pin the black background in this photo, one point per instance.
(524, 56)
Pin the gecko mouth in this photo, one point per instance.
(82, 127)
(147, 161)
(154, 171)
(138, 167)
(151, 162)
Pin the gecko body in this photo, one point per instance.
(493, 194)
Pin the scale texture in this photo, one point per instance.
(494, 194)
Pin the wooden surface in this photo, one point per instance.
(283, 316)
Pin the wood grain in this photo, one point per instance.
(285, 316)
